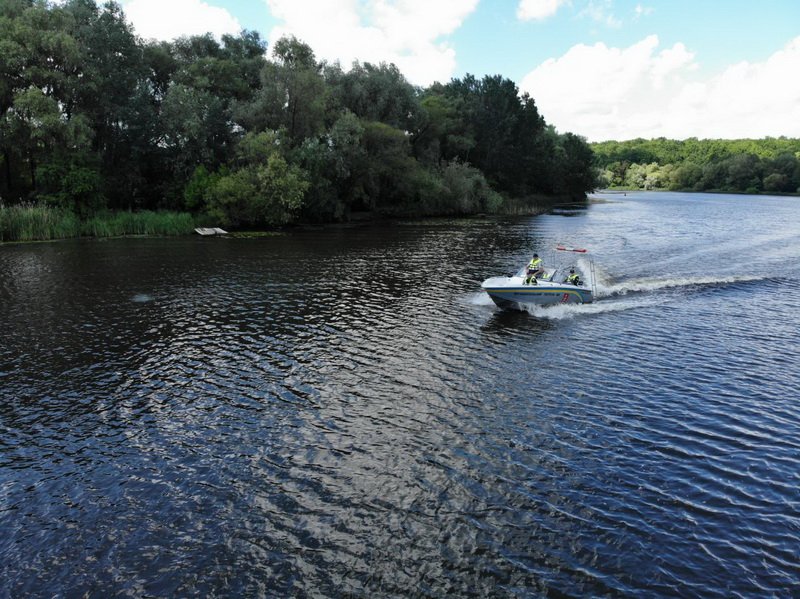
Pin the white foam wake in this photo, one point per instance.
(607, 289)
(567, 311)
(480, 299)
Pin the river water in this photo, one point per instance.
(342, 412)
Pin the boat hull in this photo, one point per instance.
(509, 294)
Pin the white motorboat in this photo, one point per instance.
(548, 289)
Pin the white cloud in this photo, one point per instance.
(169, 19)
(405, 32)
(642, 11)
(639, 91)
(537, 10)
(600, 11)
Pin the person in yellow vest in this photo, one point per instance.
(535, 269)
(573, 278)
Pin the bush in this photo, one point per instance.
(467, 190)
(197, 190)
(268, 194)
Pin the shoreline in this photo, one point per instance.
(25, 223)
(622, 190)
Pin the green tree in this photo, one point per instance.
(195, 129)
(374, 93)
(383, 180)
(38, 54)
(264, 190)
(574, 171)
(714, 176)
(228, 70)
(93, 117)
(776, 182)
(510, 142)
(466, 190)
(197, 84)
(787, 168)
(743, 173)
(292, 94)
(686, 176)
(333, 164)
(441, 133)
(36, 124)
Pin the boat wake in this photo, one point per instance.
(479, 299)
(567, 311)
(607, 289)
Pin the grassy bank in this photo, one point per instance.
(37, 222)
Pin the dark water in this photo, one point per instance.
(340, 412)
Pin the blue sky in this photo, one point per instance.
(605, 69)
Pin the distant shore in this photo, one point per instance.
(624, 190)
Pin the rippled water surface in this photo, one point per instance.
(341, 411)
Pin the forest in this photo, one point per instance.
(770, 165)
(95, 120)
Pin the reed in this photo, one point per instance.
(39, 222)
(146, 222)
(32, 222)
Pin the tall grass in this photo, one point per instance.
(114, 224)
(33, 222)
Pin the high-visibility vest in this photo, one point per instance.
(536, 264)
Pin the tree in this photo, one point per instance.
(575, 173)
(383, 179)
(714, 175)
(787, 166)
(686, 176)
(229, 71)
(264, 190)
(776, 182)
(195, 128)
(334, 163)
(38, 55)
(441, 132)
(291, 96)
(466, 191)
(743, 173)
(508, 133)
(374, 93)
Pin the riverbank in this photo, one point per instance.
(40, 222)
(37, 222)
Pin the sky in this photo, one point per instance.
(603, 69)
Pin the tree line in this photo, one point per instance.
(93, 118)
(767, 165)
